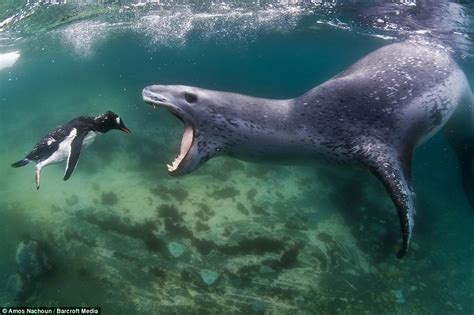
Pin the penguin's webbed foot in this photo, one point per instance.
(37, 178)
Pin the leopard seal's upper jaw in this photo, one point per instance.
(155, 99)
(373, 114)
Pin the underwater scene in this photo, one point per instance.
(223, 234)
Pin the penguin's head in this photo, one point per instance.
(108, 121)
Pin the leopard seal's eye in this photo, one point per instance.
(190, 97)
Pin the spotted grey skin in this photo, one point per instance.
(373, 114)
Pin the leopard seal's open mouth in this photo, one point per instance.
(178, 165)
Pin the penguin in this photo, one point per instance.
(66, 142)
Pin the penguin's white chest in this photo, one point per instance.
(90, 137)
(64, 148)
(62, 152)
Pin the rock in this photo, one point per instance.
(19, 289)
(415, 246)
(109, 199)
(208, 276)
(384, 266)
(266, 269)
(15, 286)
(392, 269)
(32, 264)
(31, 260)
(258, 307)
(176, 249)
(399, 298)
(72, 200)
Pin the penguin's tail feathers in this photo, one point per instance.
(21, 163)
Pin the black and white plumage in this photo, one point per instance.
(66, 142)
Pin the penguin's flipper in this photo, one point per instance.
(74, 153)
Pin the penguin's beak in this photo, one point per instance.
(123, 128)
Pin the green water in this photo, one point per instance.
(280, 239)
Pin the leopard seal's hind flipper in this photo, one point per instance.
(393, 169)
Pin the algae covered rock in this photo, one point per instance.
(209, 277)
(15, 287)
(176, 249)
(31, 259)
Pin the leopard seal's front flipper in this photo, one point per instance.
(373, 114)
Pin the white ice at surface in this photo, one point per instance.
(6, 21)
(8, 59)
(386, 37)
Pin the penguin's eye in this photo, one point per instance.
(117, 119)
(190, 97)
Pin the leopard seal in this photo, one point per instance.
(373, 114)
